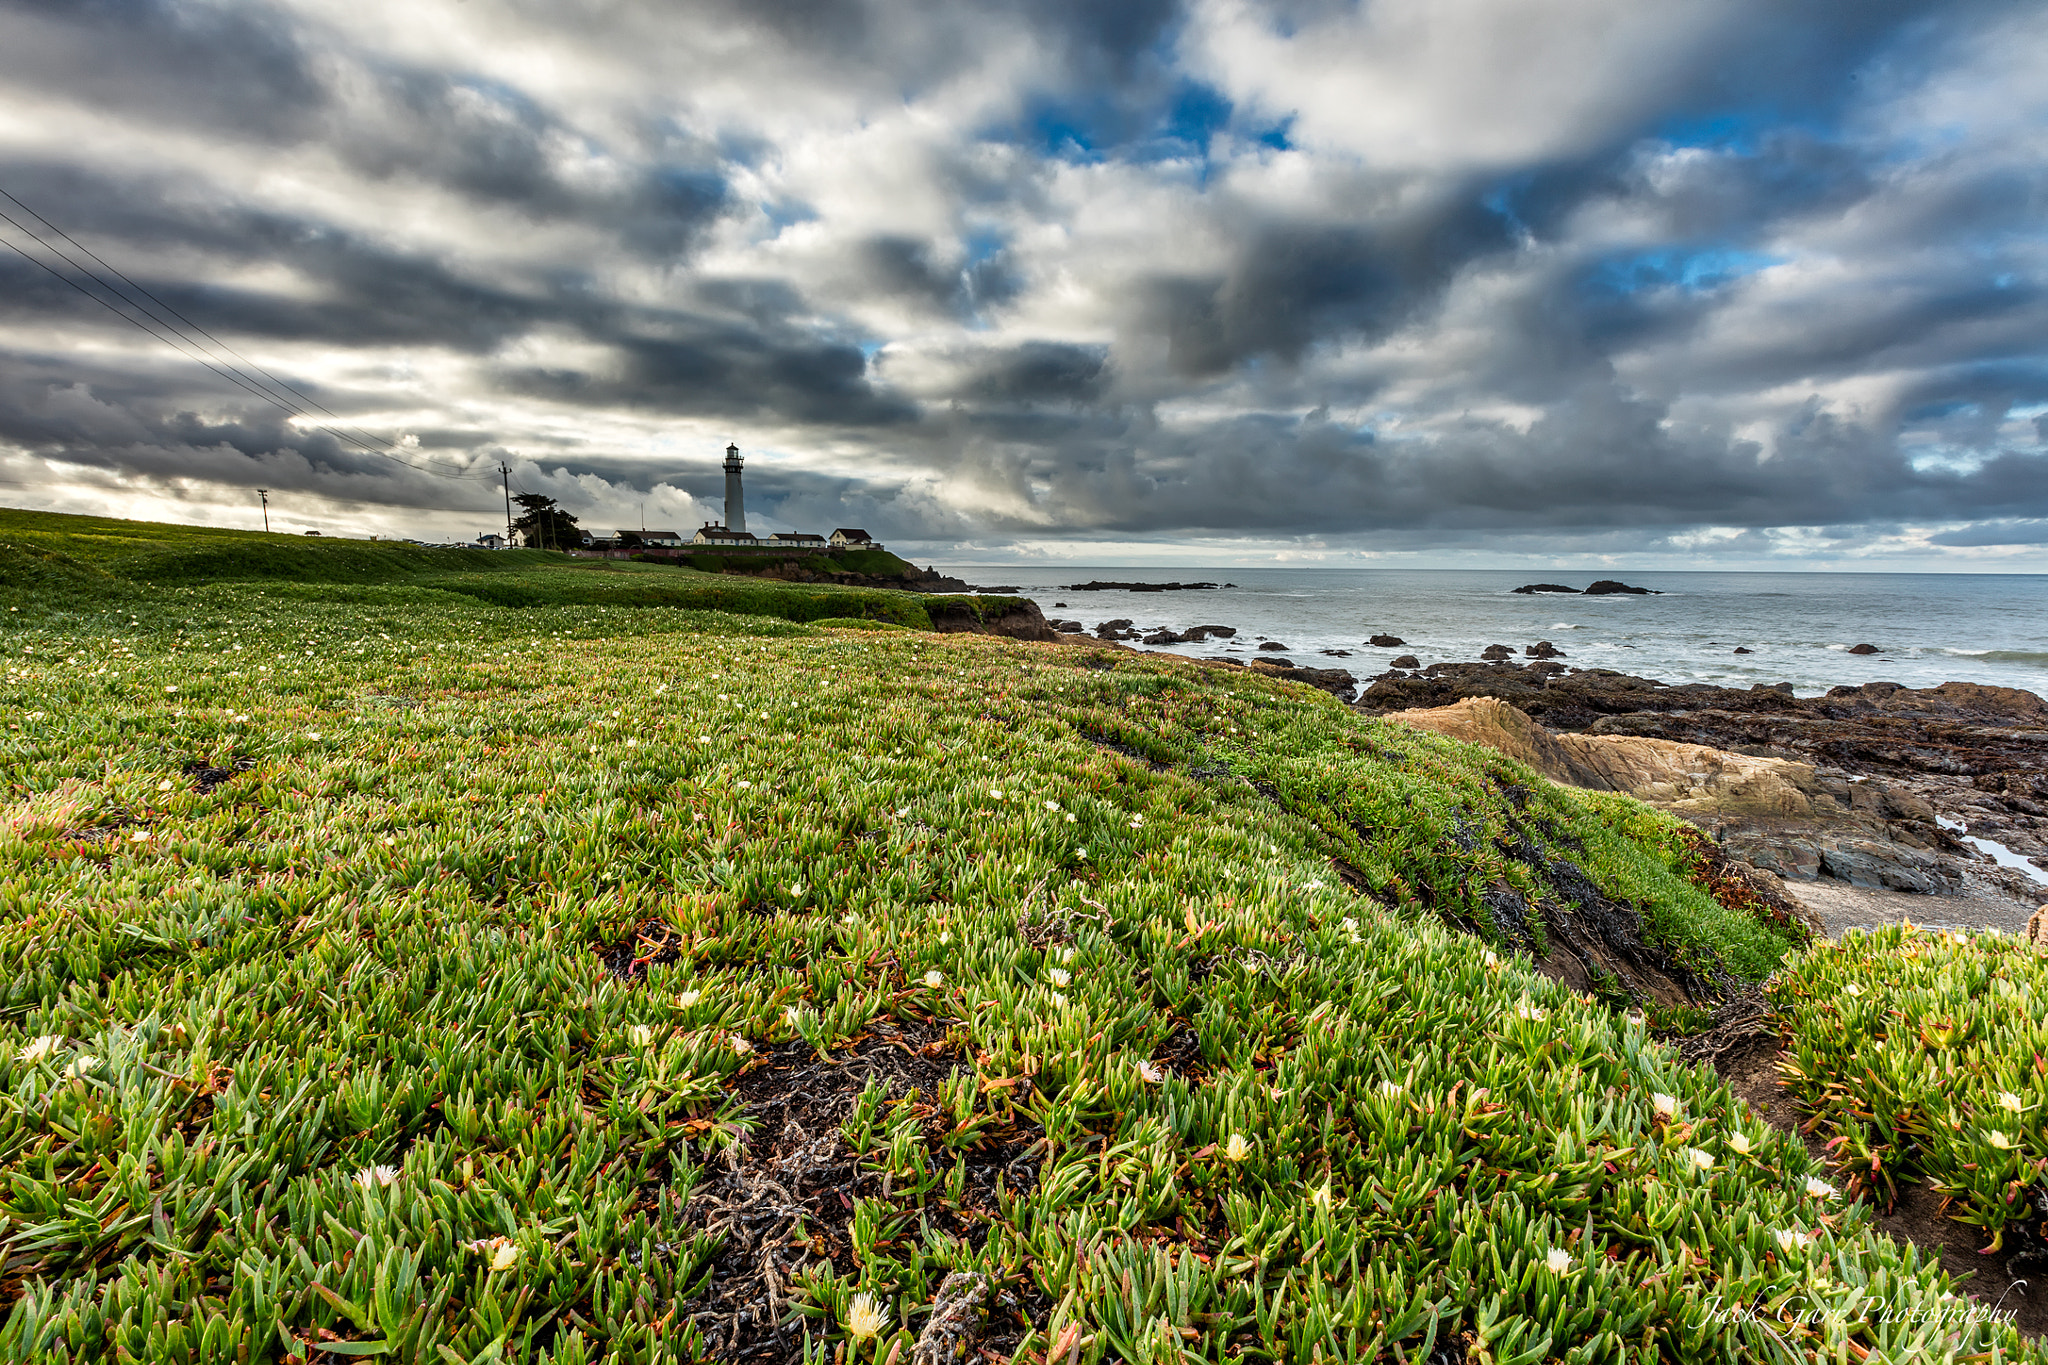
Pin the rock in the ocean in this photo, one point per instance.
(1271, 645)
(1336, 653)
(1496, 652)
(1607, 587)
(1406, 661)
(1740, 650)
(1163, 637)
(1543, 649)
(1527, 588)
(1119, 629)
(1196, 633)
(1336, 681)
(1863, 649)
(1386, 642)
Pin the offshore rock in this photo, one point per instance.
(1527, 588)
(1543, 649)
(1863, 649)
(1338, 682)
(1608, 586)
(1386, 642)
(1406, 661)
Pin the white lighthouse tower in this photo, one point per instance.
(735, 500)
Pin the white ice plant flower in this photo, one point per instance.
(1058, 976)
(934, 978)
(865, 1317)
(1151, 1072)
(1703, 1160)
(2008, 1100)
(1492, 958)
(1738, 1142)
(797, 890)
(1819, 1189)
(376, 1177)
(81, 1064)
(1558, 1261)
(505, 1257)
(640, 1035)
(793, 1017)
(1789, 1241)
(40, 1048)
(741, 1045)
(996, 792)
(1526, 1010)
(1666, 1106)
(1998, 1140)
(1853, 989)
(1237, 1148)
(689, 998)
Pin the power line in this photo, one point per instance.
(140, 289)
(177, 339)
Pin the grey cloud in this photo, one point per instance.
(2003, 532)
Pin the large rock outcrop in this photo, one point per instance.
(1782, 815)
(1018, 620)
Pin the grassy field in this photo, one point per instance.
(58, 569)
(395, 971)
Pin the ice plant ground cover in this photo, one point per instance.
(382, 971)
(1925, 1056)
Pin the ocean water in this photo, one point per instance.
(1929, 628)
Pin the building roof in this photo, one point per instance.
(797, 535)
(850, 533)
(648, 535)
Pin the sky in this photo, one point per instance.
(1428, 283)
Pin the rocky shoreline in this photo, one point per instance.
(1880, 788)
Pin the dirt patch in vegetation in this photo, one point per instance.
(206, 776)
(785, 1196)
(652, 943)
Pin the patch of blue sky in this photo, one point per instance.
(1179, 125)
(982, 246)
(787, 213)
(1694, 270)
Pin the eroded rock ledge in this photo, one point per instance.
(1851, 786)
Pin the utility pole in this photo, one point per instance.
(264, 493)
(505, 474)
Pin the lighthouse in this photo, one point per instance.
(735, 500)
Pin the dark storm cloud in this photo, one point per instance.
(1042, 267)
(2034, 532)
